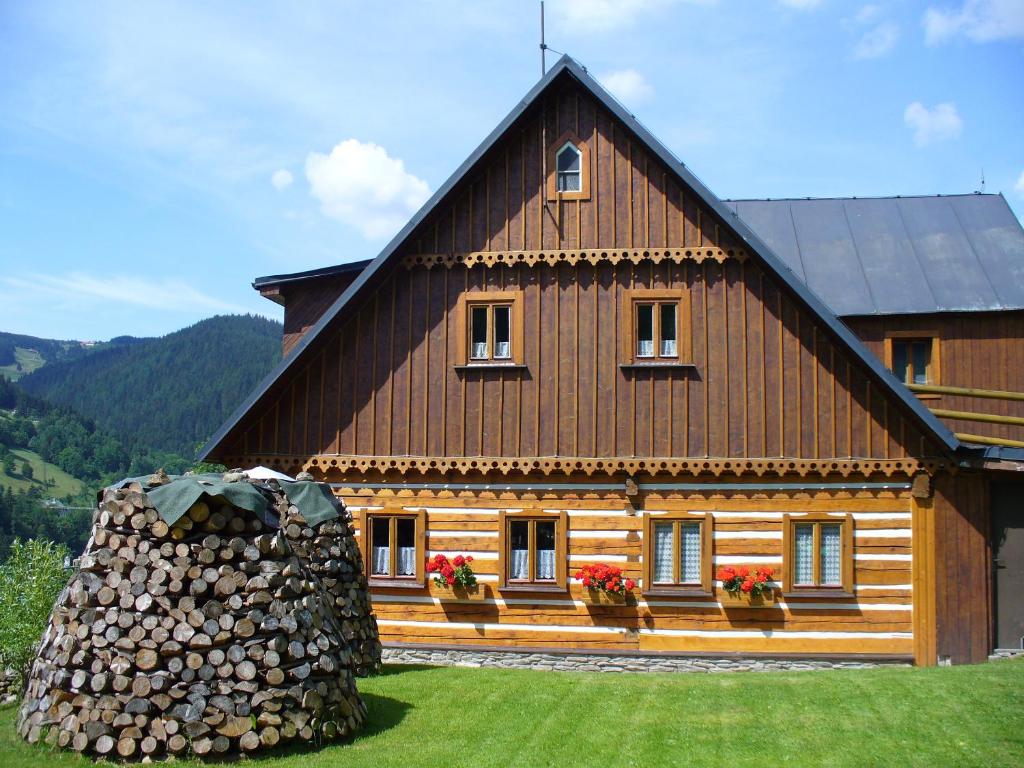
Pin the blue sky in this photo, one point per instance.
(155, 157)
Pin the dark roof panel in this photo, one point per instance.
(898, 255)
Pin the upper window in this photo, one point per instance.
(677, 553)
(393, 544)
(656, 328)
(913, 357)
(492, 328)
(568, 168)
(818, 553)
(532, 550)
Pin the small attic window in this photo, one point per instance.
(568, 168)
(569, 161)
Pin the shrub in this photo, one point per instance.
(31, 579)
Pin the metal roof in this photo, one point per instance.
(348, 268)
(773, 264)
(898, 255)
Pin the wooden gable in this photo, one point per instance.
(768, 378)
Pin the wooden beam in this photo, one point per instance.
(990, 418)
(984, 440)
(991, 394)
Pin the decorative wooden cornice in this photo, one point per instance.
(591, 256)
(480, 466)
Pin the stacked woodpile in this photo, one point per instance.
(330, 551)
(206, 636)
(10, 686)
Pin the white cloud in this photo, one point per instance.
(361, 185)
(877, 41)
(78, 290)
(801, 5)
(281, 179)
(628, 85)
(604, 15)
(867, 14)
(875, 35)
(979, 20)
(931, 125)
(1019, 186)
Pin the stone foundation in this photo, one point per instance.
(591, 662)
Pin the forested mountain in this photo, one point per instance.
(20, 355)
(165, 394)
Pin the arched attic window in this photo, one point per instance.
(568, 168)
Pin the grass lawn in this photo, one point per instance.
(443, 717)
(64, 484)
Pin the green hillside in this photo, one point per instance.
(166, 394)
(20, 355)
(50, 479)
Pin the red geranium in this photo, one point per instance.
(606, 578)
(450, 573)
(754, 582)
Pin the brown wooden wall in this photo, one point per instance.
(305, 301)
(766, 380)
(747, 528)
(977, 349)
(963, 568)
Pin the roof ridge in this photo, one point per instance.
(785, 199)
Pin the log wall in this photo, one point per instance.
(747, 529)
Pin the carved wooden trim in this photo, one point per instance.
(500, 466)
(591, 256)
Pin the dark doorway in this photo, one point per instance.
(1008, 563)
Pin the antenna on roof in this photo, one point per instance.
(543, 46)
(981, 190)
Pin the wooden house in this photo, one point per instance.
(575, 353)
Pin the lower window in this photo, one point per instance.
(818, 553)
(394, 550)
(533, 550)
(677, 553)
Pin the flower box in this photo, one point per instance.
(746, 587)
(600, 597)
(469, 593)
(744, 600)
(604, 584)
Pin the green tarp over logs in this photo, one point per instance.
(172, 499)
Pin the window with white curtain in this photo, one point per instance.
(479, 333)
(803, 555)
(676, 549)
(393, 552)
(490, 331)
(819, 553)
(380, 530)
(532, 550)
(656, 324)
